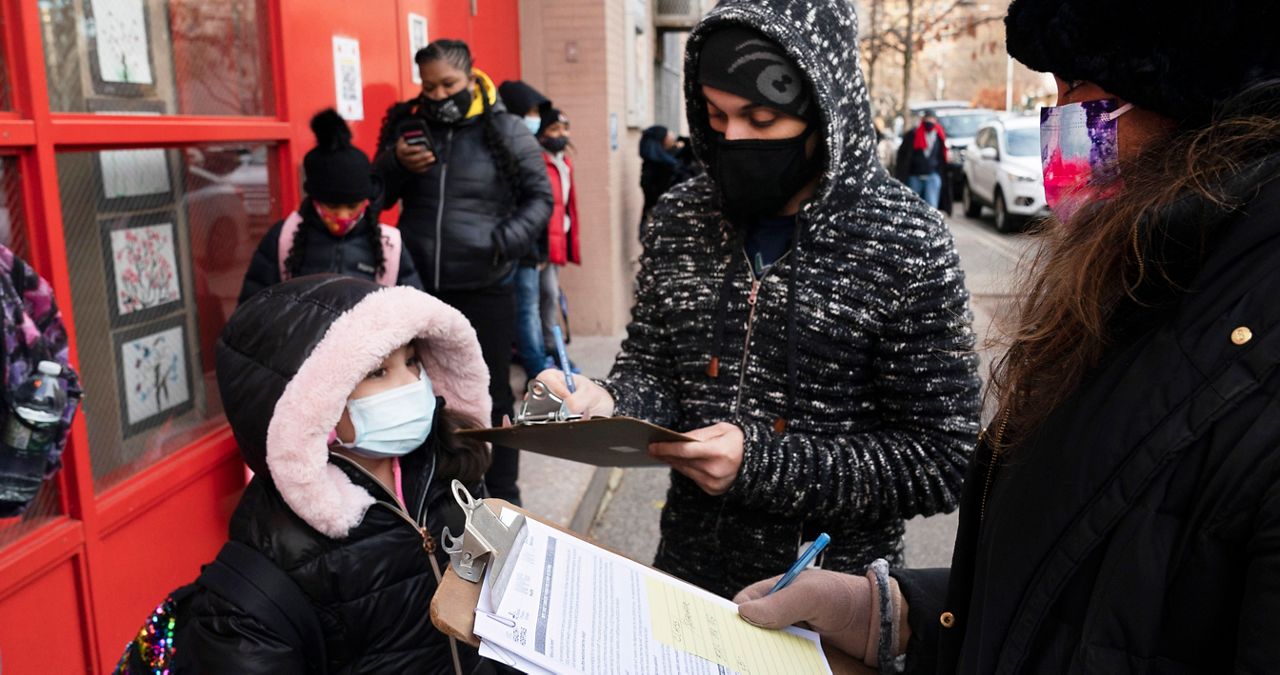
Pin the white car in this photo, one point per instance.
(1002, 170)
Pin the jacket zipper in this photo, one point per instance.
(991, 467)
(444, 171)
(752, 299)
(398, 508)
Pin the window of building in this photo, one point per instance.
(158, 240)
(173, 57)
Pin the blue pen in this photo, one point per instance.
(563, 356)
(801, 563)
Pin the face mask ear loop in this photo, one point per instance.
(1112, 116)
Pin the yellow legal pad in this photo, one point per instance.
(695, 624)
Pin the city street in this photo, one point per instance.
(620, 508)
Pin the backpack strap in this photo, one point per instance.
(262, 590)
(287, 232)
(391, 244)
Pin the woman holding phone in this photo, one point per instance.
(474, 200)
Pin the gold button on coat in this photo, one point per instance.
(947, 619)
(1241, 335)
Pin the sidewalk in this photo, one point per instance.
(557, 489)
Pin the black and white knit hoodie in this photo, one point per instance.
(853, 376)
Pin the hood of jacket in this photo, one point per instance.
(820, 36)
(289, 357)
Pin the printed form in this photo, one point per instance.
(571, 607)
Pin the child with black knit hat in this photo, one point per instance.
(336, 227)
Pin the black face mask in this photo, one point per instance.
(555, 145)
(757, 178)
(929, 126)
(447, 111)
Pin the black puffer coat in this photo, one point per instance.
(1138, 531)
(352, 255)
(858, 339)
(464, 203)
(286, 362)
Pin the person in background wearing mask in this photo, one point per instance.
(1123, 511)
(531, 351)
(475, 202)
(336, 227)
(798, 313)
(562, 243)
(922, 162)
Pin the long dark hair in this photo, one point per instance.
(311, 219)
(1089, 273)
(459, 456)
(457, 54)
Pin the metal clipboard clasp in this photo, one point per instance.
(485, 541)
(541, 406)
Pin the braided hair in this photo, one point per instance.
(457, 54)
(298, 247)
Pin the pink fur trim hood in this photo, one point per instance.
(297, 452)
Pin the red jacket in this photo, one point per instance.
(562, 249)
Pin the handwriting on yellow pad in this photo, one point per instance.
(699, 626)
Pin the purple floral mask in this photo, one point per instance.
(1079, 153)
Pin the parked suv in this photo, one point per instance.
(1002, 170)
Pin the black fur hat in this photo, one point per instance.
(1180, 58)
(337, 171)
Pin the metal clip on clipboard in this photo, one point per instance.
(540, 406)
(485, 541)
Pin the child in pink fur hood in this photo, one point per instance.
(344, 396)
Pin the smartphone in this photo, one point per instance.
(414, 132)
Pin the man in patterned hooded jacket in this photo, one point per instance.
(798, 311)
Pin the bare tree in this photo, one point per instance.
(904, 27)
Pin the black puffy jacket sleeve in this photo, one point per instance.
(518, 235)
(385, 164)
(264, 267)
(223, 639)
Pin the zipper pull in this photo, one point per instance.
(755, 292)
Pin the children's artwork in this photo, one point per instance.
(153, 376)
(134, 173)
(347, 79)
(142, 268)
(417, 40)
(120, 47)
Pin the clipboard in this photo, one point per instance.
(545, 425)
(453, 607)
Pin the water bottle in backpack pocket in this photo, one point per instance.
(31, 430)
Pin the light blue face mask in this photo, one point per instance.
(533, 123)
(393, 423)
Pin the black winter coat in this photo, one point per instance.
(868, 311)
(464, 203)
(352, 255)
(1138, 530)
(372, 591)
(911, 162)
(361, 558)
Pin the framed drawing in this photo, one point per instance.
(129, 180)
(143, 278)
(120, 59)
(153, 374)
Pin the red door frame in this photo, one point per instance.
(35, 134)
